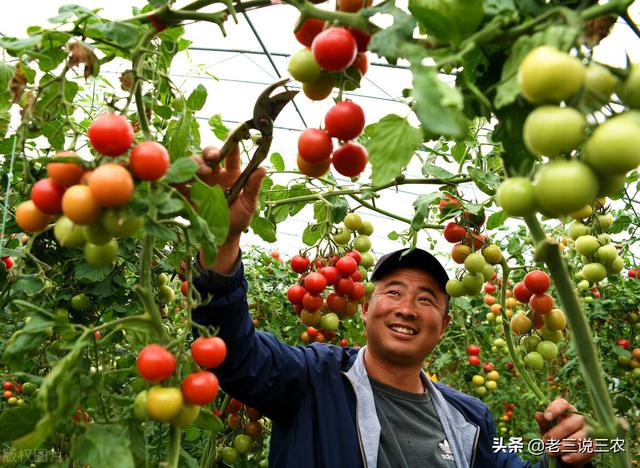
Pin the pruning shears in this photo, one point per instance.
(265, 111)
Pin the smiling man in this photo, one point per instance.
(344, 407)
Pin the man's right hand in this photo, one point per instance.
(241, 209)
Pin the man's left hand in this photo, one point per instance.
(570, 426)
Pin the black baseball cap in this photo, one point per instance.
(406, 258)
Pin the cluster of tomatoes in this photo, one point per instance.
(482, 383)
(346, 272)
(540, 328)
(509, 408)
(332, 56)
(344, 121)
(178, 406)
(579, 171)
(247, 418)
(13, 392)
(90, 204)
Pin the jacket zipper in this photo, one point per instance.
(364, 460)
(475, 445)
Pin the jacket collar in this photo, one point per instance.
(461, 434)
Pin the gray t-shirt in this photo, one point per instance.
(411, 434)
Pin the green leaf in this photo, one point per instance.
(621, 223)
(29, 338)
(561, 37)
(393, 235)
(122, 34)
(312, 234)
(53, 130)
(437, 105)
(422, 205)
(320, 211)
(496, 220)
(16, 422)
(396, 41)
(29, 285)
(299, 190)
(6, 72)
(159, 231)
(486, 181)
(516, 158)
(218, 128)
(182, 170)
(14, 45)
(448, 20)
(392, 143)
(178, 136)
(171, 205)
(107, 446)
(339, 209)
(264, 228)
(197, 98)
(91, 274)
(429, 169)
(277, 161)
(212, 208)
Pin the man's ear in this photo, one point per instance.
(365, 310)
(445, 324)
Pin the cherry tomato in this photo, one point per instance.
(346, 266)
(330, 273)
(521, 292)
(299, 264)
(111, 134)
(362, 63)
(473, 350)
(537, 281)
(315, 283)
(111, 185)
(453, 232)
(362, 39)
(79, 205)
(47, 196)
(306, 33)
(295, 293)
(345, 120)
(343, 286)
(155, 363)
(334, 49)
(352, 5)
(312, 302)
(336, 302)
(314, 145)
(8, 262)
(30, 218)
(313, 169)
(149, 160)
(350, 159)
(200, 388)
(65, 174)
(209, 352)
(541, 303)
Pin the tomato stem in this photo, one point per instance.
(173, 456)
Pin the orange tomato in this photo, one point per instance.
(79, 205)
(65, 174)
(30, 218)
(313, 169)
(111, 185)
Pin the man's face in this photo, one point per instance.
(405, 317)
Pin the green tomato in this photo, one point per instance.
(474, 263)
(577, 230)
(555, 320)
(166, 294)
(604, 221)
(162, 279)
(243, 443)
(549, 75)
(455, 288)
(534, 360)
(80, 302)
(366, 229)
(530, 342)
(594, 272)
(610, 185)
(583, 285)
(140, 406)
(342, 236)
(548, 350)
(329, 322)
(187, 415)
(516, 196)
(367, 260)
(472, 283)
(321, 88)
(552, 130)
(587, 245)
(616, 266)
(303, 67)
(492, 254)
(67, 233)
(96, 233)
(607, 254)
(562, 187)
(488, 272)
(599, 81)
(554, 336)
(630, 90)
(120, 224)
(362, 243)
(101, 255)
(230, 455)
(29, 388)
(353, 221)
(614, 147)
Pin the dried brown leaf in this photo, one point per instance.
(81, 54)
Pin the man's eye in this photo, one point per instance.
(392, 292)
(426, 299)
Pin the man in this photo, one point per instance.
(343, 407)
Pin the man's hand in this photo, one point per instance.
(569, 426)
(241, 209)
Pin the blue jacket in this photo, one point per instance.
(319, 397)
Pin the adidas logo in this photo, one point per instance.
(446, 452)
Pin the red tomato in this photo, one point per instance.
(9, 385)
(47, 196)
(330, 273)
(361, 37)
(334, 49)
(312, 331)
(299, 264)
(489, 288)
(352, 5)
(149, 160)
(448, 203)
(454, 233)
(314, 145)
(350, 159)
(208, 352)
(234, 406)
(521, 292)
(312, 302)
(623, 343)
(473, 350)
(356, 276)
(344, 342)
(362, 63)
(111, 134)
(632, 273)
(65, 174)
(357, 291)
(155, 363)
(97, 335)
(474, 360)
(200, 388)
(345, 121)
(357, 256)
(8, 262)
(343, 286)
(346, 266)
(478, 240)
(336, 302)
(306, 33)
(295, 293)
(541, 303)
(184, 288)
(315, 283)
(488, 367)
(537, 281)
(275, 254)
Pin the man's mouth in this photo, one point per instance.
(403, 330)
